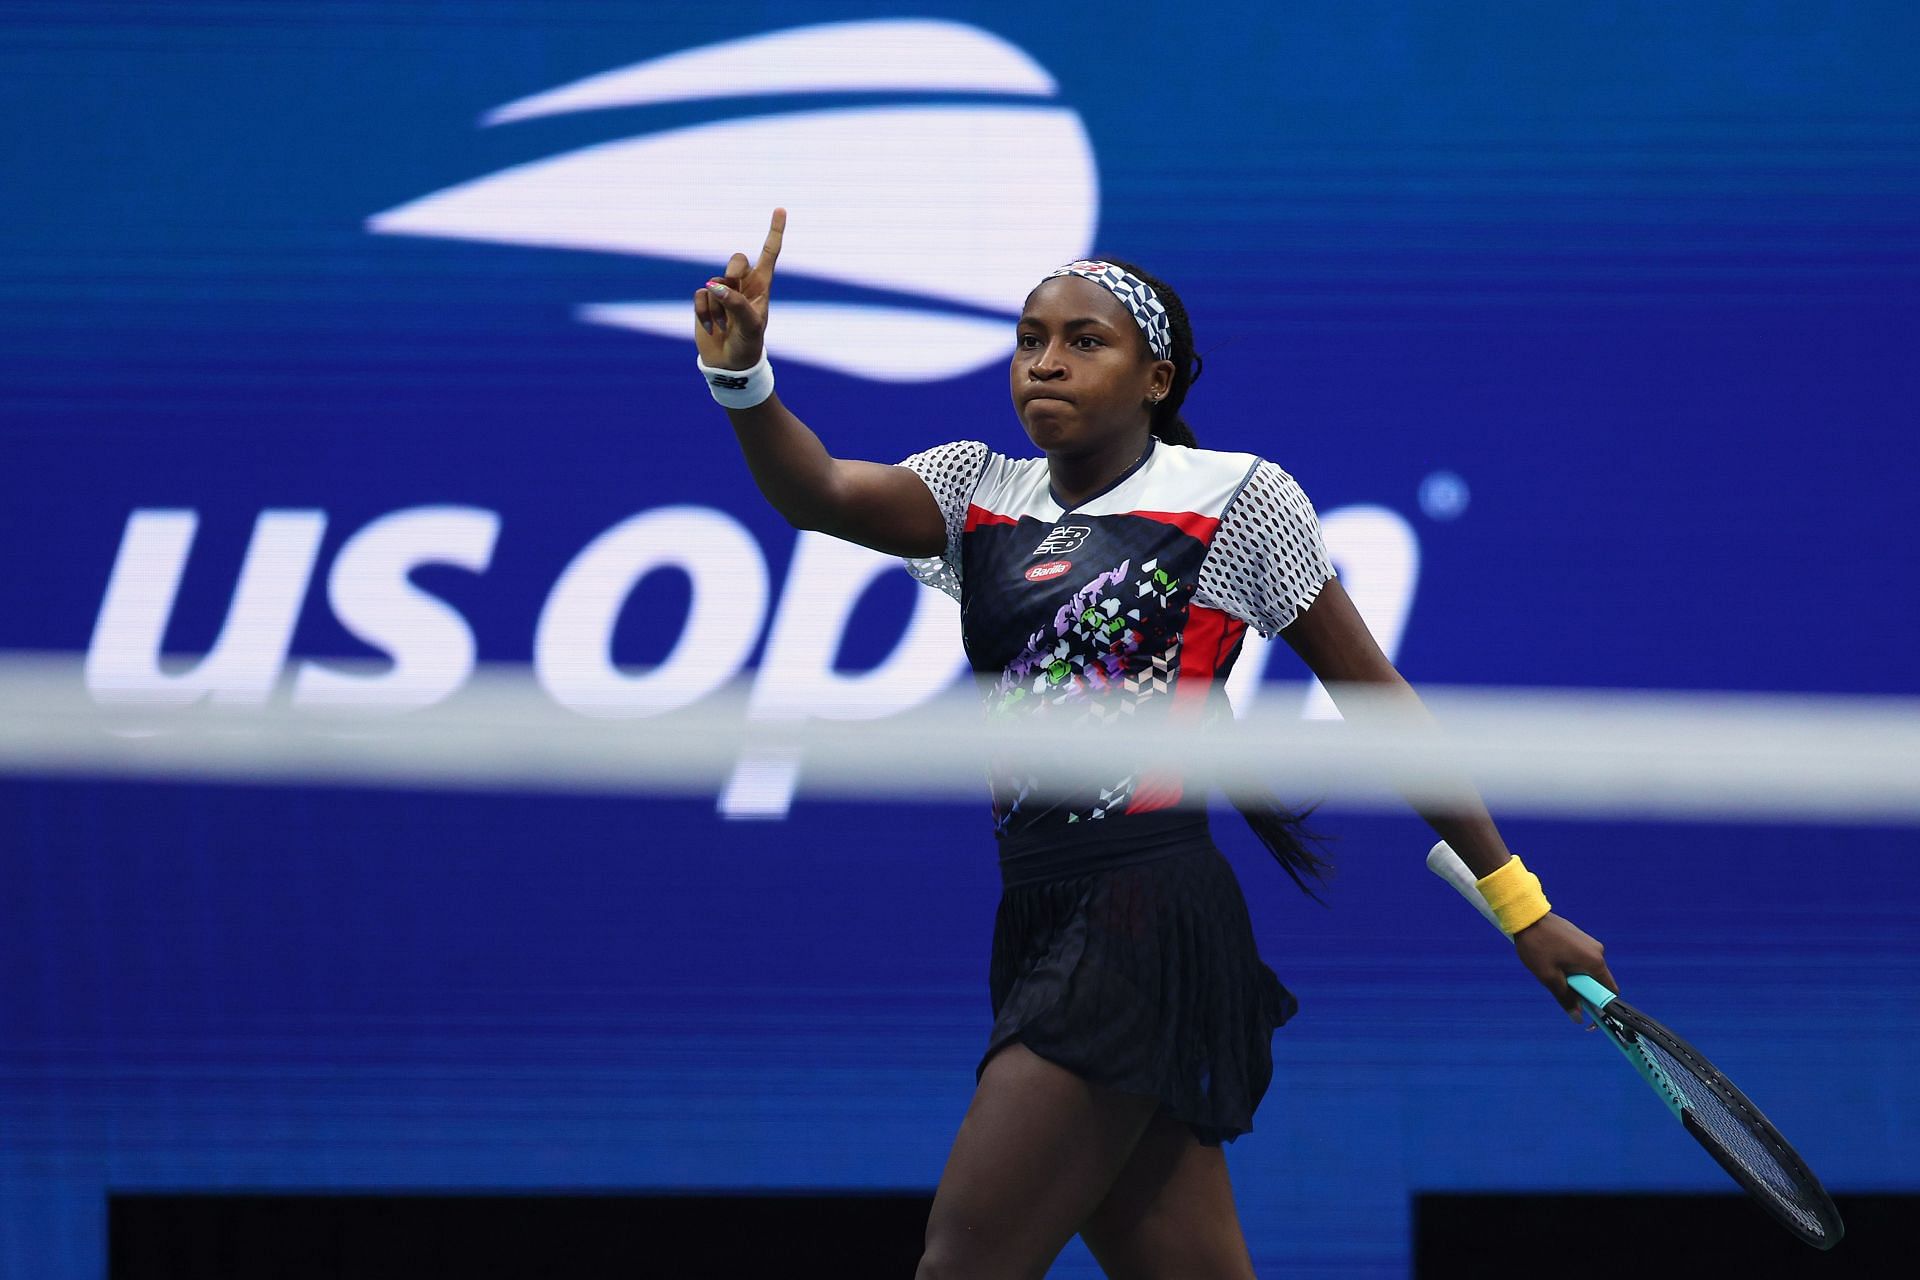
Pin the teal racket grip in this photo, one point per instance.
(1590, 991)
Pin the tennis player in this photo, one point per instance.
(1113, 575)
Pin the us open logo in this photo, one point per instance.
(976, 170)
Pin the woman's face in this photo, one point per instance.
(1082, 376)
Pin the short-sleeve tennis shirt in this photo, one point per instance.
(1140, 594)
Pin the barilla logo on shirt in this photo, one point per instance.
(1052, 569)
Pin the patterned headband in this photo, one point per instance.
(1135, 294)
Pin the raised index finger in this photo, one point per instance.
(770, 251)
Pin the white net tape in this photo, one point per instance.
(1692, 755)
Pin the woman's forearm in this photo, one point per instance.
(1336, 645)
(1469, 829)
(1462, 821)
(884, 507)
(795, 472)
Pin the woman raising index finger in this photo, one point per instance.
(1114, 574)
(730, 310)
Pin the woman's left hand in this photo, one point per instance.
(730, 310)
(1553, 947)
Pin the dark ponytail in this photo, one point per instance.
(1282, 830)
(1293, 844)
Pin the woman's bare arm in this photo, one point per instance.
(1334, 642)
(884, 507)
(888, 508)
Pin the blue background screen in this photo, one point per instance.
(1589, 328)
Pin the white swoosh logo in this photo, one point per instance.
(910, 55)
(956, 204)
(881, 344)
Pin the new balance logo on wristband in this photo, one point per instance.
(730, 381)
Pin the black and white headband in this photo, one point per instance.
(1135, 294)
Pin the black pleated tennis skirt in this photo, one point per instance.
(1139, 972)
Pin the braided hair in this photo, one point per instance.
(1282, 830)
(1165, 421)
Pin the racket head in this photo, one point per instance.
(1724, 1120)
(1708, 1105)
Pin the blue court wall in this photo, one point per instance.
(1590, 329)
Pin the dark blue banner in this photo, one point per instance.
(346, 348)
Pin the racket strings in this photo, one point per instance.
(1731, 1124)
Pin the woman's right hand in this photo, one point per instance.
(730, 311)
(1553, 947)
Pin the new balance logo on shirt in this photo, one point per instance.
(1064, 540)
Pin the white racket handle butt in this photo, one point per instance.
(1445, 863)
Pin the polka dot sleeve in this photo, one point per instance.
(1268, 561)
(951, 472)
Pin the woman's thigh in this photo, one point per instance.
(1170, 1213)
(1039, 1149)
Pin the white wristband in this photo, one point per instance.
(738, 388)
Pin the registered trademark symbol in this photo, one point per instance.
(1444, 496)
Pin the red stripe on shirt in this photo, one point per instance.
(1199, 527)
(977, 516)
(1155, 791)
(1209, 637)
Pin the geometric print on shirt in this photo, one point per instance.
(1130, 603)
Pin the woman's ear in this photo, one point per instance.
(1160, 380)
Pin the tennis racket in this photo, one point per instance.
(1706, 1103)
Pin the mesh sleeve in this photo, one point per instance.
(950, 471)
(1267, 561)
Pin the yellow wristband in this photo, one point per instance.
(1514, 895)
